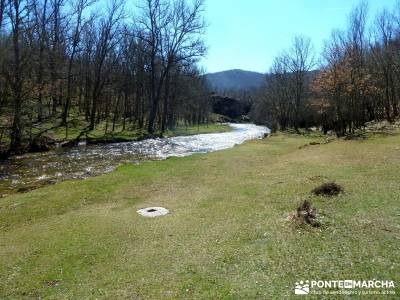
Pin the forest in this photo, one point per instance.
(356, 79)
(64, 62)
(67, 64)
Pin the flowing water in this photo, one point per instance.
(29, 171)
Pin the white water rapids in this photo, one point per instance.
(200, 143)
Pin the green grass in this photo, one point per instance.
(227, 236)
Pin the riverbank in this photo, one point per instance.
(34, 170)
(227, 235)
(50, 136)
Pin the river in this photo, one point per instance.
(30, 171)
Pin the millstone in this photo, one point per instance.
(152, 212)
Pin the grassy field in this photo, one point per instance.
(227, 236)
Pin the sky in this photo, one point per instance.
(248, 34)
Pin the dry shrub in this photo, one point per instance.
(307, 213)
(328, 189)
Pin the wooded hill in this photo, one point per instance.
(234, 80)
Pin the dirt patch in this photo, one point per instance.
(41, 144)
(359, 136)
(54, 282)
(317, 178)
(328, 189)
(324, 142)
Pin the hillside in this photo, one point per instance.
(234, 80)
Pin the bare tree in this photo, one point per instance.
(41, 22)
(384, 62)
(172, 34)
(2, 8)
(105, 41)
(300, 60)
(357, 47)
(75, 35)
(154, 18)
(17, 12)
(182, 42)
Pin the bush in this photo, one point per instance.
(306, 213)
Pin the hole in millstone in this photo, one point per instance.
(151, 210)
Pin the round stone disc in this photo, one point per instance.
(152, 212)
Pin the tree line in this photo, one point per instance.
(355, 81)
(63, 60)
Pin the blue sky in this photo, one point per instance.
(248, 34)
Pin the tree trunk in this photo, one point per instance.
(165, 108)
